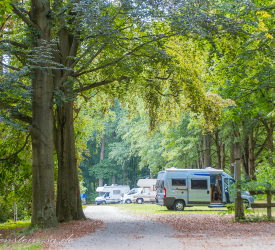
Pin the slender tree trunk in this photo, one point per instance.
(100, 179)
(232, 160)
(251, 155)
(239, 212)
(218, 149)
(114, 179)
(201, 153)
(223, 155)
(43, 207)
(207, 141)
(151, 175)
(124, 175)
(245, 155)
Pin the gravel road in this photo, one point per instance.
(124, 230)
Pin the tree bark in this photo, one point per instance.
(43, 206)
(100, 179)
(251, 155)
(207, 141)
(245, 155)
(239, 212)
(218, 149)
(114, 179)
(223, 156)
(68, 206)
(232, 160)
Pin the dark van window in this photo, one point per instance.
(159, 184)
(198, 184)
(178, 182)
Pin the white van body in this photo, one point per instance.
(145, 193)
(111, 194)
(179, 188)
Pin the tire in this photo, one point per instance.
(179, 205)
(170, 208)
(103, 202)
(128, 201)
(140, 201)
(246, 203)
(97, 203)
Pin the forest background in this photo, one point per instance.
(176, 90)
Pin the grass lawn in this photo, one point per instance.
(155, 209)
(13, 228)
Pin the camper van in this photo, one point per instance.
(145, 193)
(180, 188)
(111, 194)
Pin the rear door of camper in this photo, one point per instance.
(199, 189)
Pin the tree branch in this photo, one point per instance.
(93, 57)
(122, 57)
(24, 19)
(21, 45)
(16, 115)
(26, 142)
(98, 84)
(10, 67)
(3, 24)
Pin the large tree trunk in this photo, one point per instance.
(207, 141)
(68, 206)
(43, 207)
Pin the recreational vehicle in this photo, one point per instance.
(179, 188)
(145, 193)
(111, 194)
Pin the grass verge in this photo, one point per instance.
(155, 209)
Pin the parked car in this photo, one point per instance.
(145, 193)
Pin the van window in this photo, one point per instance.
(178, 182)
(159, 184)
(116, 191)
(198, 184)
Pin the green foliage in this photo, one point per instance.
(12, 225)
(15, 174)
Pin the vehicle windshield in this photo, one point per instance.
(133, 191)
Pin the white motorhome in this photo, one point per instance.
(145, 193)
(179, 188)
(111, 194)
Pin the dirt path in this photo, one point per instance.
(124, 230)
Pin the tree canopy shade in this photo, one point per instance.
(54, 51)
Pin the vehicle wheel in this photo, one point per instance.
(103, 202)
(170, 208)
(246, 203)
(97, 203)
(128, 201)
(139, 201)
(179, 205)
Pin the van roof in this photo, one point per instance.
(207, 170)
